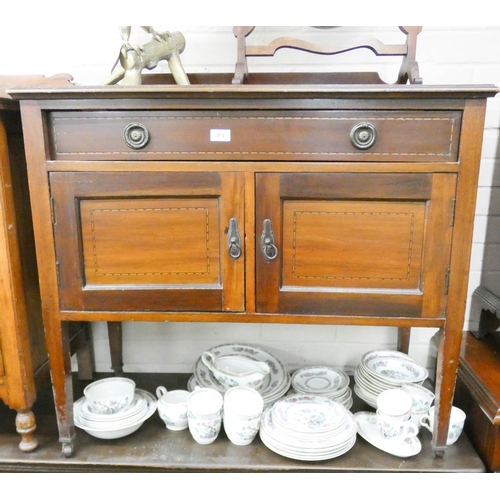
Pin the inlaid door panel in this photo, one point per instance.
(155, 241)
(354, 244)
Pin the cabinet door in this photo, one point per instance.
(354, 244)
(148, 241)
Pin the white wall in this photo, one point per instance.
(446, 54)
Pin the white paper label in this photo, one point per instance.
(220, 135)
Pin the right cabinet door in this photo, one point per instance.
(354, 244)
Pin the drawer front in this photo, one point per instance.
(301, 136)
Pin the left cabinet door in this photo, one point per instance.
(149, 241)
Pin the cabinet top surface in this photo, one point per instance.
(229, 91)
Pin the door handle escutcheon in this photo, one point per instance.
(269, 250)
(233, 239)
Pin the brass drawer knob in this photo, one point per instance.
(136, 136)
(363, 135)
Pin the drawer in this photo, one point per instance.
(371, 136)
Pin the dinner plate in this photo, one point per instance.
(269, 401)
(309, 446)
(369, 430)
(309, 456)
(306, 441)
(308, 414)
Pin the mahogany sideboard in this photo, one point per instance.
(332, 204)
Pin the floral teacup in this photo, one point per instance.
(457, 421)
(242, 412)
(204, 414)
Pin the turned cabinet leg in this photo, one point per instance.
(25, 426)
(404, 334)
(116, 346)
(446, 369)
(58, 345)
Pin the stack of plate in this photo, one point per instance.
(276, 383)
(116, 425)
(323, 381)
(308, 428)
(379, 371)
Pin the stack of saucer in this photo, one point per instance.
(308, 428)
(118, 424)
(276, 384)
(379, 371)
(323, 381)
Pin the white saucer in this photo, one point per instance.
(368, 429)
(320, 380)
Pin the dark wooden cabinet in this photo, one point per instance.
(478, 393)
(332, 204)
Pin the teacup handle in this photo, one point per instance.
(424, 421)
(208, 360)
(161, 391)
